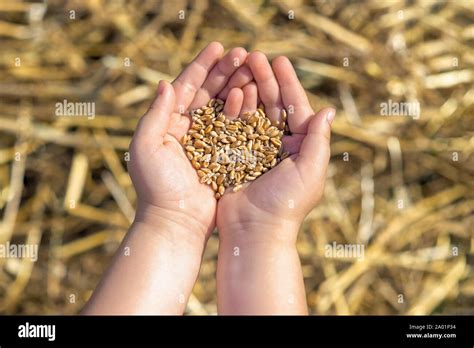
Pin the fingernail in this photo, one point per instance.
(331, 113)
(161, 87)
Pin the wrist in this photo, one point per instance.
(277, 232)
(176, 227)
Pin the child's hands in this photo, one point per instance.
(167, 186)
(273, 206)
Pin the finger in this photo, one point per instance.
(314, 154)
(293, 95)
(219, 76)
(154, 124)
(267, 84)
(192, 78)
(233, 103)
(239, 79)
(292, 143)
(249, 103)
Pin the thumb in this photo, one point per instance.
(314, 154)
(155, 123)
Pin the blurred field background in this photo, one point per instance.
(401, 186)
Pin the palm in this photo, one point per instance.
(272, 194)
(288, 190)
(170, 181)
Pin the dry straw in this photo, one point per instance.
(63, 180)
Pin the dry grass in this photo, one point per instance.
(401, 186)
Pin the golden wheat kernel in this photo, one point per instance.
(190, 148)
(216, 167)
(189, 155)
(232, 128)
(198, 144)
(220, 179)
(260, 130)
(252, 136)
(272, 132)
(218, 195)
(250, 145)
(221, 189)
(276, 142)
(208, 129)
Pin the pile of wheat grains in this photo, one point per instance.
(228, 153)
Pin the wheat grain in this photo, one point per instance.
(228, 153)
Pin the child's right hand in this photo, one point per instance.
(168, 189)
